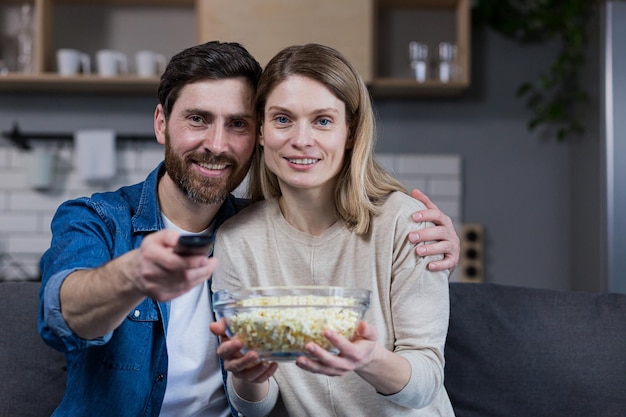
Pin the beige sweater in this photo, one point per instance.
(409, 305)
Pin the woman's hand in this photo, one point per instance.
(250, 374)
(352, 354)
(387, 372)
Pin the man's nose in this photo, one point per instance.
(215, 139)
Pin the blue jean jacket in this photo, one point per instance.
(123, 373)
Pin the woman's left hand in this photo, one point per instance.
(352, 354)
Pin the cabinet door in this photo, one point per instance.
(266, 26)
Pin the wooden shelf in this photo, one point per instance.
(399, 87)
(423, 4)
(55, 83)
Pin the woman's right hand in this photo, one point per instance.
(250, 374)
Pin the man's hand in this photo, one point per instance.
(446, 241)
(161, 274)
(95, 301)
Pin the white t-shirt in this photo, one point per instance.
(194, 380)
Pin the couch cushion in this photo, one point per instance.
(32, 374)
(524, 352)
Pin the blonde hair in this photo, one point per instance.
(362, 184)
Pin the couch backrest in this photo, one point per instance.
(522, 352)
(32, 375)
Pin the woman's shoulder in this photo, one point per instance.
(400, 202)
(250, 216)
(396, 212)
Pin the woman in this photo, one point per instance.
(332, 216)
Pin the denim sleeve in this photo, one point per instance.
(83, 233)
(53, 327)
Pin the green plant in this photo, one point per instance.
(556, 98)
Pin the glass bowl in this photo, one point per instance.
(277, 322)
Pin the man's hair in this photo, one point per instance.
(211, 60)
(362, 184)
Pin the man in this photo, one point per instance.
(130, 314)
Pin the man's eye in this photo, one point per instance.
(195, 119)
(239, 124)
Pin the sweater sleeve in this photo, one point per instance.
(419, 305)
(426, 357)
(259, 408)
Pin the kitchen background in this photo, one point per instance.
(537, 199)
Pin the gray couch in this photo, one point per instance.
(521, 352)
(511, 352)
(32, 375)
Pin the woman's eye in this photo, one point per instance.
(281, 119)
(324, 122)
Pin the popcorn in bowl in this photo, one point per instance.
(277, 322)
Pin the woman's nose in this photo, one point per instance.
(303, 136)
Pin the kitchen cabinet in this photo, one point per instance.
(91, 25)
(425, 21)
(264, 27)
(373, 34)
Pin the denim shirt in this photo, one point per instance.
(123, 373)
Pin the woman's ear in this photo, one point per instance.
(261, 140)
(350, 142)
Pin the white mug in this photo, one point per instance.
(72, 61)
(111, 63)
(41, 168)
(149, 63)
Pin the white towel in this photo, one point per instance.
(94, 153)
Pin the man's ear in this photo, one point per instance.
(160, 124)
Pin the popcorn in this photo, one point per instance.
(277, 322)
(288, 329)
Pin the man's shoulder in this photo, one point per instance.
(139, 196)
(114, 208)
(122, 198)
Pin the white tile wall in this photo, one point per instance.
(25, 213)
(439, 176)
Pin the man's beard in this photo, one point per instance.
(199, 189)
